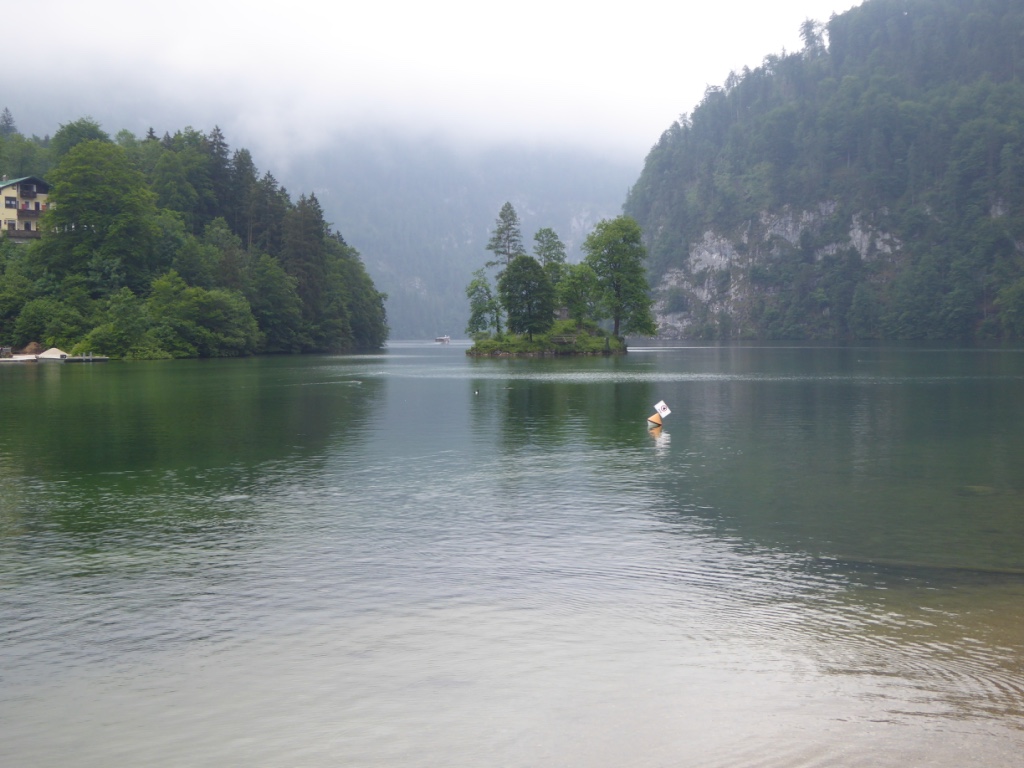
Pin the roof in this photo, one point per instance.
(36, 179)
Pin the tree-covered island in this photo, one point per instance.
(541, 305)
(169, 247)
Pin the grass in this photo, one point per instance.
(564, 338)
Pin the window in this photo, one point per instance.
(10, 202)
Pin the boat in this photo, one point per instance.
(446, 339)
(52, 355)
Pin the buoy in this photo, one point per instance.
(661, 411)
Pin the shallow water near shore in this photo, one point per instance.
(415, 558)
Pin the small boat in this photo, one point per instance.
(446, 339)
(52, 355)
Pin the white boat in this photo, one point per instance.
(446, 339)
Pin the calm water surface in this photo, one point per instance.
(415, 558)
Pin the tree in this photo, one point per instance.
(578, 293)
(123, 331)
(233, 261)
(173, 190)
(276, 306)
(72, 134)
(364, 304)
(7, 126)
(527, 295)
(550, 252)
(22, 157)
(50, 321)
(239, 208)
(268, 205)
(219, 168)
(616, 254)
(103, 221)
(507, 240)
(303, 254)
(484, 309)
(189, 321)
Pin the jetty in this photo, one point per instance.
(52, 355)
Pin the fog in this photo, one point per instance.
(280, 78)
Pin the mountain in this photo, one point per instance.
(870, 185)
(420, 213)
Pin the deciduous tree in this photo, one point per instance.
(484, 309)
(578, 292)
(103, 220)
(527, 295)
(70, 135)
(616, 254)
(550, 252)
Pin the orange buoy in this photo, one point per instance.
(661, 411)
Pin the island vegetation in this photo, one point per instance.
(175, 247)
(542, 305)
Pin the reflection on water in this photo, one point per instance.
(419, 559)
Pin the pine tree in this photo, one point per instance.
(7, 126)
(507, 239)
(240, 212)
(303, 254)
(219, 169)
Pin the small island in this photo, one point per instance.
(545, 307)
(564, 338)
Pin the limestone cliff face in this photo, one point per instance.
(721, 275)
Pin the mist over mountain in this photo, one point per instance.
(420, 212)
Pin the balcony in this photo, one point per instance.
(28, 213)
(21, 234)
(27, 190)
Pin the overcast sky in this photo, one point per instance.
(610, 76)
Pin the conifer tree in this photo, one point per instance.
(507, 239)
(7, 126)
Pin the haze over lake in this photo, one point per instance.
(416, 558)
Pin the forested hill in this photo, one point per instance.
(870, 185)
(173, 247)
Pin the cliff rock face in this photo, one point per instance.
(869, 186)
(724, 274)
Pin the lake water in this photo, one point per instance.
(420, 559)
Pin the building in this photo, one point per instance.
(24, 204)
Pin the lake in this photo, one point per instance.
(415, 558)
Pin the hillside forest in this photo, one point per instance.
(870, 185)
(420, 210)
(175, 246)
